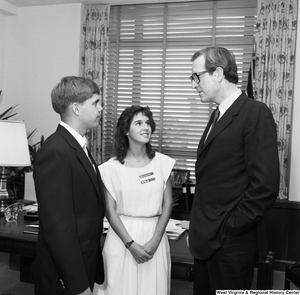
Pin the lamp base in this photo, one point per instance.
(6, 194)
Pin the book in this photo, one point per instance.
(174, 229)
(175, 235)
(32, 228)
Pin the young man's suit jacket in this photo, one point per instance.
(237, 175)
(71, 209)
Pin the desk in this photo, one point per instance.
(13, 240)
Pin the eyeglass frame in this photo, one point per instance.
(197, 76)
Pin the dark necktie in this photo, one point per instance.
(216, 115)
(213, 118)
(87, 152)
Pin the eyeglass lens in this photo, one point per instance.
(196, 76)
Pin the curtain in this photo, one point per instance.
(275, 44)
(94, 63)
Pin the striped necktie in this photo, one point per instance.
(85, 149)
(88, 154)
(216, 115)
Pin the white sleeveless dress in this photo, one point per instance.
(138, 193)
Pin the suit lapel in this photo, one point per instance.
(202, 140)
(99, 180)
(81, 156)
(96, 170)
(227, 118)
(224, 121)
(88, 167)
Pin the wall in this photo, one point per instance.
(42, 45)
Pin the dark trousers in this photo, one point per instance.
(230, 268)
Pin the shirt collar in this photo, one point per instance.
(225, 105)
(81, 140)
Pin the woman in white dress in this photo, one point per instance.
(138, 207)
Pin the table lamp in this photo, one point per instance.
(14, 152)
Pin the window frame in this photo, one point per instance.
(128, 74)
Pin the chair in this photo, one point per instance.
(178, 177)
(292, 275)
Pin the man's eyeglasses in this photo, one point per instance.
(196, 76)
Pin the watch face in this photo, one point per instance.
(127, 245)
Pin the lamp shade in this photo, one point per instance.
(14, 151)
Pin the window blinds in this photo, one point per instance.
(150, 48)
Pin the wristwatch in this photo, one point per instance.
(127, 245)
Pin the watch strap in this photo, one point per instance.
(127, 245)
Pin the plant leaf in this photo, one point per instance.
(9, 116)
(31, 133)
(8, 110)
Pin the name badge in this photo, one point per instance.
(148, 177)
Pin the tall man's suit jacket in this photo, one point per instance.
(71, 210)
(237, 175)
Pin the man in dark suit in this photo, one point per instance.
(237, 177)
(70, 196)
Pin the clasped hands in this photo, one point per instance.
(143, 254)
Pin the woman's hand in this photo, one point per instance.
(139, 253)
(151, 246)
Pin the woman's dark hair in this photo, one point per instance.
(219, 57)
(121, 143)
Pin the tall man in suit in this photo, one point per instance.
(237, 177)
(70, 196)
